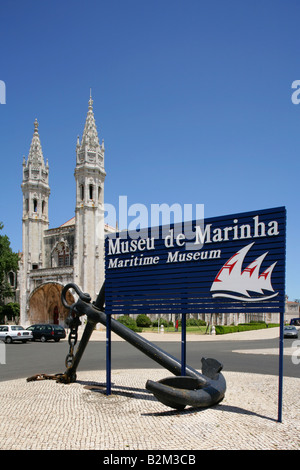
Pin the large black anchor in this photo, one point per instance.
(194, 389)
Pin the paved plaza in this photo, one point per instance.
(47, 415)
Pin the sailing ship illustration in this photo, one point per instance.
(234, 283)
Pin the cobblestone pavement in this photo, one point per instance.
(45, 415)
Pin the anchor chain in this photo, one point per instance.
(44, 377)
(73, 322)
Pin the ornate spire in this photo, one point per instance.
(35, 168)
(35, 152)
(89, 151)
(90, 138)
(91, 100)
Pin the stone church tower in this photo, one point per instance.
(89, 211)
(73, 252)
(36, 191)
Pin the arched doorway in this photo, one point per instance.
(45, 304)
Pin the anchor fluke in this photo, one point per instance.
(179, 392)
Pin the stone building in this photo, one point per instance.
(73, 252)
(292, 310)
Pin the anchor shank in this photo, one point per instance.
(149, 349)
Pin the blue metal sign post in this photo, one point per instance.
(280, 384)
(183, 344)
(234, 264)
(108, 354)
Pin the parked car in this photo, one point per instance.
(45, 332)
(10, 333)
(295, 321)
(290, 332)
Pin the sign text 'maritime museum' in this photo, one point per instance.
(217, 265)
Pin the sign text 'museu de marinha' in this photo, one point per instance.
(220, 265)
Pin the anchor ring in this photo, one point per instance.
(83, 296)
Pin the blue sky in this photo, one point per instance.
(192, 98)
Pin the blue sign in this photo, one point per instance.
(229, 264)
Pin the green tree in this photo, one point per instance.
(8, 262)
(10, 311)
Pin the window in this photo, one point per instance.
(35, 205)
(91, 188)
(11, 278)
(63, 255)
(63, 259)
(82, 191)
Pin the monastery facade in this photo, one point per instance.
(73, 252)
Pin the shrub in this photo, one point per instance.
(143, 321)
(195, 322)
(223, 329)
(191, 322)
(162, 321)
(129, 322)
(252, 326)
